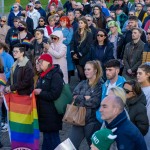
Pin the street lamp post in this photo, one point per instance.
(2, 7)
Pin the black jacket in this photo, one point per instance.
(51, 85)
(137, 111)
(30, 26)
(81, 49)
(10, 32)
(22, 81)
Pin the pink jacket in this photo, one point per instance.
(58, 52)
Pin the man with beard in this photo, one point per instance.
(133, 23)
(113, 79)
(132, 58)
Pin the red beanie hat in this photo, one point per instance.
(47, 58)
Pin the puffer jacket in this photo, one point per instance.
(136, 108)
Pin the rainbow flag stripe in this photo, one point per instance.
(23, 121)
(14, 38)
(2, 82)
(26, 42)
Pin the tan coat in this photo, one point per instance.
(3, 32)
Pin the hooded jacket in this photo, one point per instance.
(119, 83)
(51, 85)
(136, 108)
(35, 15)
(58, 52)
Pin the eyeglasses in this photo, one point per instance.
(101, 35)
(37, 34)
(147, 33)
(3, 21)
(54, 38)
(41, 20)
(15, 51)
(127, 91)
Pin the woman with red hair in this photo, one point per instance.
(67, 31)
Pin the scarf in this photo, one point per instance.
(45, 73)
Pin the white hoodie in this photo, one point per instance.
(35, 15)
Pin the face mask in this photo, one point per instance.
(21, 28)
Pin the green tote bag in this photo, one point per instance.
(64, 99)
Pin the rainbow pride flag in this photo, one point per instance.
(23, 121)
(2, 82)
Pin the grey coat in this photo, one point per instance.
(133, 56)
(92, 104)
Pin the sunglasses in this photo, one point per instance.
(3, 21)
(101, 35)
(147, 33)
(88, 20)
(54, 38)
(127, 91)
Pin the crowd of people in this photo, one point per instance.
(108, 45)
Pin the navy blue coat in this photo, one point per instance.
(11, 18)
(108, 53)
(128, 135)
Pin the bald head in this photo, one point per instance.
(111, 107)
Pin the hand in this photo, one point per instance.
(37, 91)
(75, 56)
(87, 97)
(75, 96)
(129, 71)
(7, 89)
(1, 94)
(46, 45)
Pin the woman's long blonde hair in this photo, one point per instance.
(99, 73)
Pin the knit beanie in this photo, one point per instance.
(103, 139)
(47, 58)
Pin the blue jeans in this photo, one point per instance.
(50, 140)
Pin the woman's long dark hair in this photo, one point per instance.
(105, 33)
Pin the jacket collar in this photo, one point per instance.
(117, 121)
(22, 63)
(119, 81)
